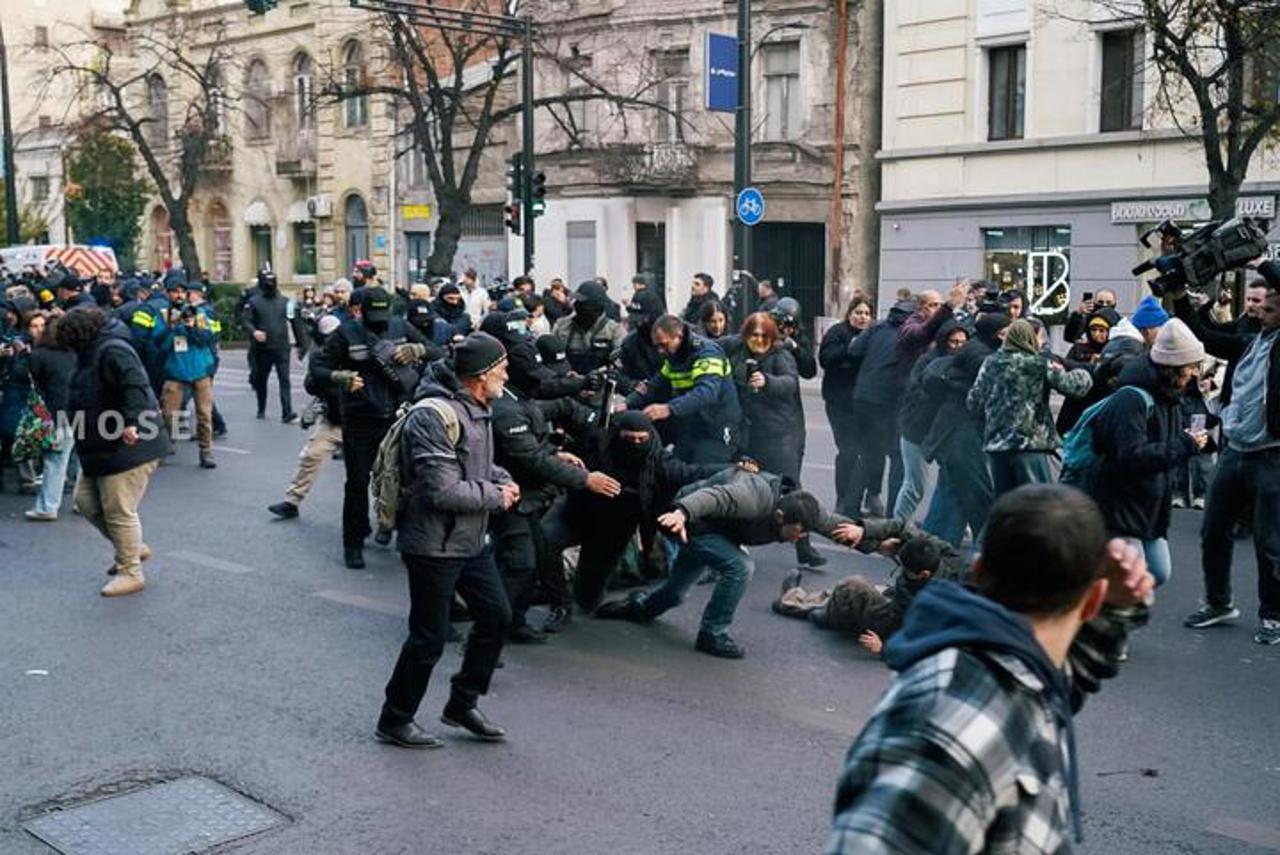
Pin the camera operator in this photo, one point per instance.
(793, 337)
(1248, 473)
(190, 343)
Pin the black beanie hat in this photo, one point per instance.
(448, 288)
(551, 348)
(646, 306)
(477, 353)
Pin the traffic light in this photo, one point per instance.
(513, 218)
(515, 180)
(260, 7)
(538, 193)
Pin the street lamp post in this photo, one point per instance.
(742, 148)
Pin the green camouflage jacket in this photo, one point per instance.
(1012, 395)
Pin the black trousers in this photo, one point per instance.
(260, 370)
(432, 585)
(1243, 481)
(516, 554)
(360, 440)
(844, 429)
(876, 429)
(603, 542)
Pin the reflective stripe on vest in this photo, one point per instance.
(143, 319)
(708, 366)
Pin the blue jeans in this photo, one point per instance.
(732, 567)
(914, 468)
(1012, 469)
(945, 518)
(1156, 551)
(56, 465)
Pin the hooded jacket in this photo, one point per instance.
(874, 354)
(276, 315)
(1012, 395)
(919, 406)
(980, 719)
(451, 488)
(110, 379)
(1140, 449)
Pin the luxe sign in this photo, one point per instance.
(1188, 210)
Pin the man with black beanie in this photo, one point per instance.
(450, 486)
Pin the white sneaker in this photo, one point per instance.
(1198, 504)
(40, 516)
(1179, 502)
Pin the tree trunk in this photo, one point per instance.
(187, 253)
(448, 232)
(1223, 191)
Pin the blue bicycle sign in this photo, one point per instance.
(750, 206)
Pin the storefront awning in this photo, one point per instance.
(298, 212)
(257, 214)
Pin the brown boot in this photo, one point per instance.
(123, 584)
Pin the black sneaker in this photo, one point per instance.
(1208, 615)
(382, 537)
(290, 418)
(720, 645)
(354, 557)
(1268, 632)
(558, 618)
(284, 510)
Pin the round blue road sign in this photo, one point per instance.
(750, 206)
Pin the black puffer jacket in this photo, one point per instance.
(52, 371)
(1139, 450)
(839, 371)
(774, 415)
(109, 379)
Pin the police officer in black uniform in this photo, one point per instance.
(384, 353)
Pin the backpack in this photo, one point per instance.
(1081, 464)
(385, 478)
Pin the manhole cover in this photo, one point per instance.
(187, 815)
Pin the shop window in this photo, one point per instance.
(1007, 88)
(1033, 259)
(1122, 56)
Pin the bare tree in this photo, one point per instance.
(458, 88)
(1218, 67)
(174, 67)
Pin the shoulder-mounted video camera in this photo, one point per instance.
(1194, 259)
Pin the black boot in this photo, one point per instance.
(284, 510)
(720, 645)
(631, 609)
(407, 735)
(807, 555)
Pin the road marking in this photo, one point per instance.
(229, 450)
(346, 598)
(826, 467)
(1246, 832)
(209, 561)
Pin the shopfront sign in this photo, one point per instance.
(415, 212)
(1188, 210)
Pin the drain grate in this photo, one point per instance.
(177, 817)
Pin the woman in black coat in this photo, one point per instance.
(838, 375)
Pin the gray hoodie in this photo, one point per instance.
(450, 488)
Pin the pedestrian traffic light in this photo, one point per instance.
(513, 218)
(515, 180)
(538, 193)
(260, 7)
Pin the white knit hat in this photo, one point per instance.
(1176, 345)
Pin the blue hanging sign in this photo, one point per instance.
(722, 72)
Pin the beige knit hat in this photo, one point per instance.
(1177, 345)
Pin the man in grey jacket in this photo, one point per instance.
(712, 521)
(450, 486)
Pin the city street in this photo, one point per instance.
(255, 658)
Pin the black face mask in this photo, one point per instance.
(585, 315)
(376, 327)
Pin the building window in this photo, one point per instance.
(257, 108)
(1008, 91)
(672, 93)
(1122, 54)
(304, 249)
(39, 188)
(782, 91)
(217, 102)
(41, 38)
(1034, 259)
(356, 112)
(157, 111)
(303, 102)
(582, 250)
(260, 238)
(582, 114)
(481, 221)
(357, 229)
(415, 169)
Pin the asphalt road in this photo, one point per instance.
(256, 658)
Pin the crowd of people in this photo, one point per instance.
(493, 431)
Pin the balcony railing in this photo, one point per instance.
(652, 164)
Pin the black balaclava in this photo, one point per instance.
(988, 326)
(589, 304)
(445, 310)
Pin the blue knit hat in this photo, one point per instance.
(1150, 314)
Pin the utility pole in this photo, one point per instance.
(526, 130)
(10, 172)
(742, 150)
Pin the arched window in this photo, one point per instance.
(257, 108)
(217, 101)
(356, 223)
(356, 114)
(303, 102)
(157, 111)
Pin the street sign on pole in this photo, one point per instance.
(750, 206)
(722, 73)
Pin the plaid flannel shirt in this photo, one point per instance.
(963, 754)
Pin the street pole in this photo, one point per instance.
(10, 173)
(742, 150)
(526, 195)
